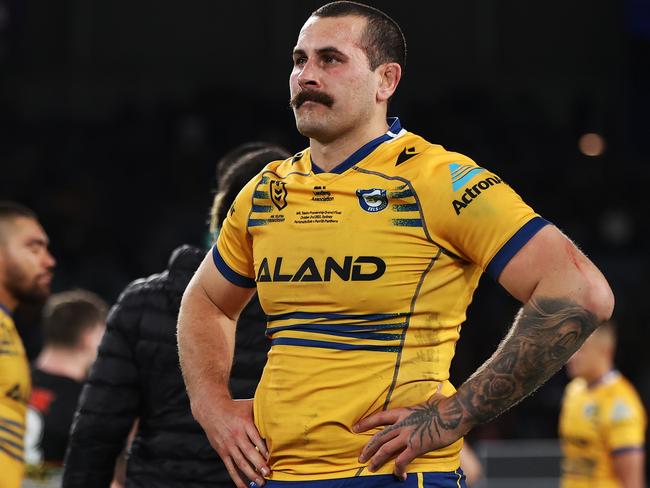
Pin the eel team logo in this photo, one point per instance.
(278, 190)
(373, 200)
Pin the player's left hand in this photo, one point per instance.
(411, 432)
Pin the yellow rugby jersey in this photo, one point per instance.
(596, 423)
(14, 393)
(365, 273)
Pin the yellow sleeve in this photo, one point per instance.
(626, 423)
(476, 215)
(233, 252)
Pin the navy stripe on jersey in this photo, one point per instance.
(6, 442)
(13, 423)
(514, 244)
(623, 450)
(406, 207)
(375, 336)
(17, 435)
(230, 274)
(407, 222)
(5, 309)
(11, 454)
(291, 341)
(337, 327)
(335, 316)
(365, 150)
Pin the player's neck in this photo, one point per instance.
(7, 300)
(63, 362)
(599, 374)
(330, 154)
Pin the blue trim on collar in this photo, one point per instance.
(363, 151)
(6, 310)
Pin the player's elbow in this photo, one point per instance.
(598, 298)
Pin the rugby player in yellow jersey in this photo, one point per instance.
(25, 275)
(365, 250)
(603, 422)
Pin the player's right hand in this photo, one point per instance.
(232, 433)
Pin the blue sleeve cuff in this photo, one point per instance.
(228, 273)
(623, 450)
(514, 244)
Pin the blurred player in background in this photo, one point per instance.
(25, 276)
(366, 249)
(73, 324)
(471, 465)
(136, 375)
(602, 422)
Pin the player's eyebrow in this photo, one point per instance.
(330, 50)
(40, 241)
(321, 51)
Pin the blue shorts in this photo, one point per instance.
(452, 479)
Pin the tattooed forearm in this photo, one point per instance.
(545, 334)
(427, 418)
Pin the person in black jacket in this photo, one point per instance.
(137, 374)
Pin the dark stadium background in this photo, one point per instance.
(113, 114)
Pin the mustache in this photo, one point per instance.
(311, 96)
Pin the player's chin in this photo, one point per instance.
(309, 125)
(41, 290)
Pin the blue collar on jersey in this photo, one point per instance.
(6, 310)
(363, 151)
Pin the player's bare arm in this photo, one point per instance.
(565, 298)
(629, 467)
(206, 338)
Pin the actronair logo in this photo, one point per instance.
(462, 173)
(472, 192)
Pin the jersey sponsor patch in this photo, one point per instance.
(462, 174)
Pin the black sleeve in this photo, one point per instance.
(110, 400)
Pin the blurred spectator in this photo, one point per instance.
(73, 324)
(25, 275)
(603, 422)
(136, 375)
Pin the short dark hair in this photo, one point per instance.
(10, 211)
(68, 314)
(383, 40)
(242, 164)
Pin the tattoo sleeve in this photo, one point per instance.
(546, 332)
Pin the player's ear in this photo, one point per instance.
(389, 76)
